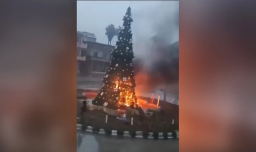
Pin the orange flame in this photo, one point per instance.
(116, 84)
(125, 93)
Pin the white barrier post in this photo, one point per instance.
(158, 100)
(106, 120)
(132, 121)
(172, 121)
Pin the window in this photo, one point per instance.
(83, 53)
(91, 53)
(98, 66)
(78, 52)
(100, 54)
(95, 54)
(104, 55)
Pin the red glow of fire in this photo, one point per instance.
(140, 102)
(141, 83)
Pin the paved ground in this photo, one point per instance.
(100, 143)
(90, 80)
(89, 85)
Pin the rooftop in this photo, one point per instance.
(87, 34)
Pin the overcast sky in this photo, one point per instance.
(94, 16)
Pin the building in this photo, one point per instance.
(81, 57)
(92, 57)
(86, 36)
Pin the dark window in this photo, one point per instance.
(78, 52)
(83, 53)
(99, 66)
(95, 54)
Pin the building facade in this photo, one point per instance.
(81, 57)
(92, 58)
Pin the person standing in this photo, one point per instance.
(84, 107)
(83, 110)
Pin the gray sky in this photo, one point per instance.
(94, 16)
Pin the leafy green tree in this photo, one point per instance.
(110, 32)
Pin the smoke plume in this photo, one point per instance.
(156, 46)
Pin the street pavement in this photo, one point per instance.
(88, 142)
(89, 86)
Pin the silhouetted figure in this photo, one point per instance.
(141, 113)
(84, 107)
(132, 105)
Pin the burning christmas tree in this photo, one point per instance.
(119, 83)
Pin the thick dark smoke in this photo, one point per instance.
(156, 45)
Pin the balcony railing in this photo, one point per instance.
(81, 45)
(81, 58)
(100, 59)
